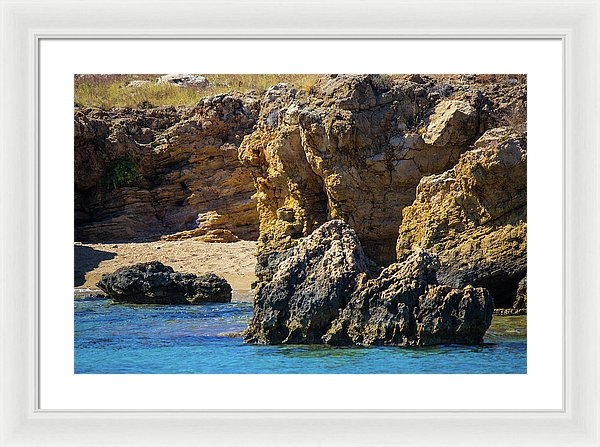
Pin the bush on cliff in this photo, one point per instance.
(122, 171)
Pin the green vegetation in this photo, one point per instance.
(123, 171)
(108, 91)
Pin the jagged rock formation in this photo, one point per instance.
(406, 306)
(321, 294)
(474, 218)
(355, 149)
(144, 173)
(312, 284)
(155, 283)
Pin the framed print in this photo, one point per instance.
(299, 224)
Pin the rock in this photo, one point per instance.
(182, 235)
(211, 288)
(308, 288)
(320, 293)
(521, 298)
(201, 234)
(155, 283)
(183, 80)
(353, 149)
(510, 312)
(405, 306)
(452, 122)
(189, 172)
(219, 236)
(268, 263)
(137, 83)
(474, 218)
(82, 292)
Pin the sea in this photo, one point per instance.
(205, 339)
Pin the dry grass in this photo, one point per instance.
(108, 91)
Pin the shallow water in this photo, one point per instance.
(129, 339)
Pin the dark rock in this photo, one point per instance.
(309, 288)
(405, 306)
(521, 298)
(321, 293)
(155, 283)
(210, 288)
(268, 263)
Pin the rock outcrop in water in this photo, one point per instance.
(474, 218)
(406, 306)
(155, 283)
(145, 173)
(313, 282)
(355, 149)
(321, 293)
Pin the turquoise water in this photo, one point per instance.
(123, 339)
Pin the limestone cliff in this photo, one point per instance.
(144, 173)
(355, 148)
(474, 218)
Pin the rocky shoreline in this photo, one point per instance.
(387, 210)
(235, 262)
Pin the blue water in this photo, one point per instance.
(124, 339)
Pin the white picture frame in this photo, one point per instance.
(24, 23)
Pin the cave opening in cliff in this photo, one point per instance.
(502, 287)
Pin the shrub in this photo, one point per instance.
(122, 171)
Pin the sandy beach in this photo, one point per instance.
(233, 261)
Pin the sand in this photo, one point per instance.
(233, 261)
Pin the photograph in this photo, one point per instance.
(300, 223)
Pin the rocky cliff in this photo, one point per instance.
(356, 147)
(412, 164)
(474, 217)
(144, 173)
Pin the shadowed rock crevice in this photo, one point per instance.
(502, 287)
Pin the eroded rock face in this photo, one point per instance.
(405, 306)
(321, 293)
(187, 171)
(355, 149)
(309, 287)
(155, 283)
(473, 217)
